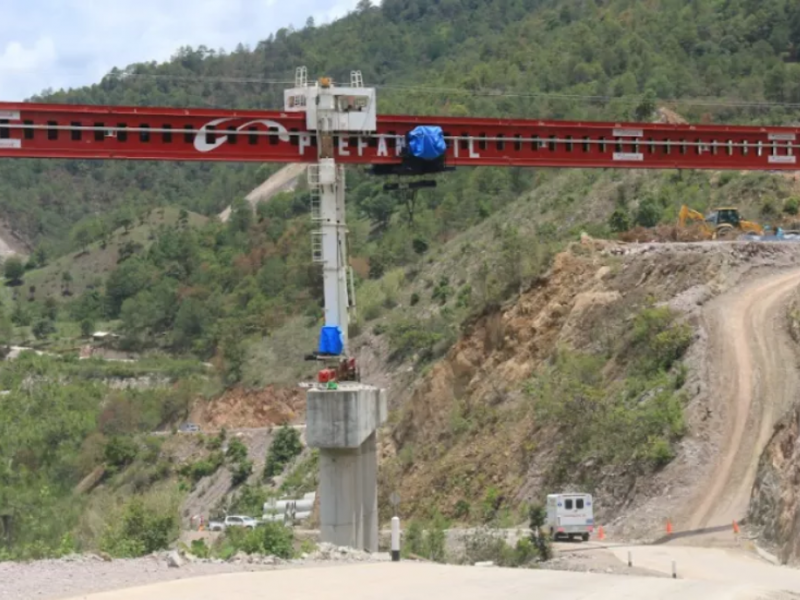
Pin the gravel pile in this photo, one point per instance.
(596, 561)
(76, 575)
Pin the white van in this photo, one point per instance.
(570, 516)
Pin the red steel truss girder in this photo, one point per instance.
(142, 133)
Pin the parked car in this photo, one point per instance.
(189, 427)
(233, 521)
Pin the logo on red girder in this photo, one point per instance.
(201, 145)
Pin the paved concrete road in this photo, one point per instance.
(713, 564)
(416, 581)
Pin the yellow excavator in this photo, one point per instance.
(722, 222)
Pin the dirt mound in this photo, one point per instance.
(663, 233)
(665, 115)
(240, 408)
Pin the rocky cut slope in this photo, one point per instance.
(775, 502)
(594, 378)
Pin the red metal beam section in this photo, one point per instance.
(98, 132)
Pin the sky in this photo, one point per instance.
(70, 43)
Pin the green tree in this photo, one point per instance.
(648, 214)
(241, 215)
(87, 328)
(619, 221)
(14, 270)
(646, 107)
(66, 282)
(379, 209)
(233, 353)
(82, 235)
(120, 451)
(6, 328)
(41, 255)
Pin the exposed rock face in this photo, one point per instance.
(776, 492)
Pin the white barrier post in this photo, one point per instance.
(674, 570)
(630, 559)
(395, 539)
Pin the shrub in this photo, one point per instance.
(619, 221)
(199, 549)
(269, 538)
(410, 336)
(202, 468)
(791, 206)
(283, 449)
(140, 531)
(249, 501)
(462, 509)
(489, 544)
(657, 341)
(426, 540)
(237, 451)
(120, 451)
(242, 471)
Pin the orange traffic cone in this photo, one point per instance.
(669, 527)
(601, 535)
(735, 528)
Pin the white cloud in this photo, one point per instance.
(19, 58)
(70, 43)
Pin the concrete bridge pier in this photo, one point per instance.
(342, 423)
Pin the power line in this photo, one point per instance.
(195, 79)
(480, 93)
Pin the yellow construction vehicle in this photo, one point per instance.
(721, 222)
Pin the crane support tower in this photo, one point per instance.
(332, 110)
(343, 416)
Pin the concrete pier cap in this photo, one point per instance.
(344, 417)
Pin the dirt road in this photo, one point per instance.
(284, 180)
(753, 381)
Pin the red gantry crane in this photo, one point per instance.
(331, 126)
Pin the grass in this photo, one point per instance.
(278, 359)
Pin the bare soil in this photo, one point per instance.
(242, 408)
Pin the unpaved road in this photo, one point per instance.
(405, 580)
(754, 380)
(284, 180)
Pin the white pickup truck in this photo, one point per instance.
(233, 521)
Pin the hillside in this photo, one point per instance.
(91, 265)
(494, 321)
(594, 379)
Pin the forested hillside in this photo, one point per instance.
(559, 58)
(526, 58)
